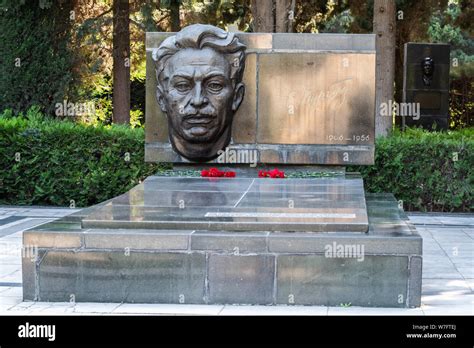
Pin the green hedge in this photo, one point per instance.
(49, 162)
(428, 171)
(60, 161)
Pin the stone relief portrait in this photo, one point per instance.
(428, 69)
(199, 88)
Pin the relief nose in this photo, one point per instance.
(198, 99)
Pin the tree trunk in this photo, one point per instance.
(262, 12)
(384, 28)
(174, 14)
(121, 57)
(291, 16)
(282, 14)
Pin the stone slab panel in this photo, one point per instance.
(319, 280)
(241, 279)
(105, 276)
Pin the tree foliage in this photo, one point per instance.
(449, 26)
(77, 45)
(36, 57)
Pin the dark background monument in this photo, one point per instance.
(426, 81)
(304, 101)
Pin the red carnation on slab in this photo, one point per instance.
(274, 174)
(216, 173)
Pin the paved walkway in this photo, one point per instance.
(448, 274)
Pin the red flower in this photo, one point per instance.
(275, 173)
(216, 173)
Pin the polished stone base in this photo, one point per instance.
(92, 264)
(333, 204)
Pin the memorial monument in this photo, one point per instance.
(426, 82)
(301, 102)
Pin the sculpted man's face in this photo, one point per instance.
(199, 97)
(428, 68)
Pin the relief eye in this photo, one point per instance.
(215, 86)
(182, 87)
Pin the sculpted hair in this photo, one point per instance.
(198, 36)
(427, 61)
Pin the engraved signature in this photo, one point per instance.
(334, 96)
